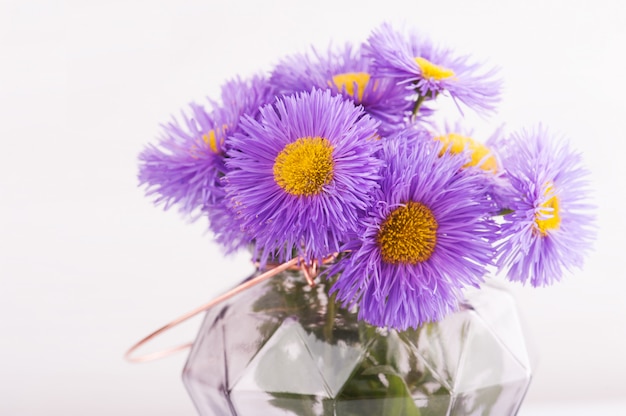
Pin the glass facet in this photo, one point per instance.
(285, 348)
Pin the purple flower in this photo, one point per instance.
(422, 67)
(426, 235)
(478, 154)
(246, 97)
(186, 167)
(347, 72)
(459, 141)
(299, 176)
(550, 228)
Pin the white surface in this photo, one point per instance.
(586, 408)
(88, 266)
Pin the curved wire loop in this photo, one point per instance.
(310, 271)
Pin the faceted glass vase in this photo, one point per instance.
(285, 348)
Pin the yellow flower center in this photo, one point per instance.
(547, 218)
(456, 143)
(408, 235)
(432, 71)
(349, 80)
(305, 166)
(210, 138)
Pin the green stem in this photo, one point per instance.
(330, 318)
(418, 104)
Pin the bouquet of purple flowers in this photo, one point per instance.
(338, 153)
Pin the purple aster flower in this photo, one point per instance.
(246, 97)
(478, 154)
(347, 72)
(186, 167)
(300, 174)
(426, 236)
(550, 228)
(459, 141)
(243, 98)
(428, 70)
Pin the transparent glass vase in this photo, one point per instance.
(285, 348)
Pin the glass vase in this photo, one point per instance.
(286, 348)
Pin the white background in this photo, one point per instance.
(88, 265)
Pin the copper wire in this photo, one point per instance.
(309, 270)
(308, 274)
